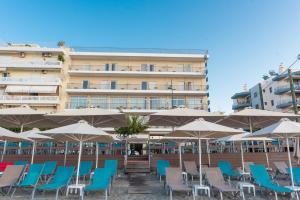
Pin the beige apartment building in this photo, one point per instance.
(52, 79)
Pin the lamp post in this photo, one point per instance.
(294, 98)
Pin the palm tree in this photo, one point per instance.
(135, 125)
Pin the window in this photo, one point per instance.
(113, 67)
(178, 102)
(5, 74)
(106, 67)
(113, 85)
(85, 84)
(270, 89)
(78, 102)
(255, 94)
(264, 90)
(257, 106)
(272, 102)
(158, 103)
(151, 68)
(266, 103)
(138, 103)
(118, 102)
(144, 85)
(99, 102)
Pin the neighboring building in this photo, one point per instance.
(137, 81)
(273, 93)
(241, 100)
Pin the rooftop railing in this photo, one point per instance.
(25, 80)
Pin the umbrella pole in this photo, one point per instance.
(290, 161)
(97, 154)
(4, 150)
(250, 125)
(242, 155)
(78, 164)
(180, 157)
(208, 152)
(66, 152)
(267, 157)
(200, 161)
(149, 151)
(33, 151)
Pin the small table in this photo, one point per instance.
(196, 188)
(75, 187)
(242, 185)
(296, 189)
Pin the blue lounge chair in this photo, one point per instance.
(100, 181)
(112, 165)
(296, 175)
(227, 170)
(263, 179)
(161, 166)
(49, 168)
(60, 180)
(21, 162)
(31, 179)
(85, 169)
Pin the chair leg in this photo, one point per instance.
(12, 194)
(56, 197)
(106, 194)
(33, 193)
(171, 194)
(276, 198)
(221, 195)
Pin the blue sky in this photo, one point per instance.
(245, 38)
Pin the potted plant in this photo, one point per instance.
(135, 124)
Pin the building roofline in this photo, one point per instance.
(31, 49)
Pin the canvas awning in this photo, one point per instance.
(31, 89)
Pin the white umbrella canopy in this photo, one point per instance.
(249, 118)
(36, 137)
(78, 132)
(284, 128)
(95, 116)
(203, 129)
(245, 137)
(23, 116)
(181, 116)
(7, 135)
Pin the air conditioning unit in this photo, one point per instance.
(22, 54)
(44, 71)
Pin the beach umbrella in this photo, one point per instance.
(181, 116)
(179, 141)
(97, 117)
(36, 137)
(254, 118)
(7, 135)
(285, 129)
(245, 137)
(79, 132)
(24, 116)
(200, 128)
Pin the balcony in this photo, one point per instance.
(170, 71)
(11, 99)
(136, 89)
(31, 64)
(144, 106)
(238, 106)
(285, 103)
(286, 88)
(241, 95)
(29, 81)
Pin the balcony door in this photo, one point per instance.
(144, 85)
(85, 84)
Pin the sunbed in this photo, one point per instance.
(175, 182)
(10, 177)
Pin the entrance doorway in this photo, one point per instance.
(136, 149)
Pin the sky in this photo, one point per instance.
(245, 38)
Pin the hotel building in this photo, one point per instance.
(272, 93)
(139, 81)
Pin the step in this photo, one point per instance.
(144, 170)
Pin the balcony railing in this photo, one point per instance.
(286, 88)
(30, 80)
(138, 87)
(240, 105)
(11, 99)
(31, 64)
(287, 102)
(102, 68)
(147, 105)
